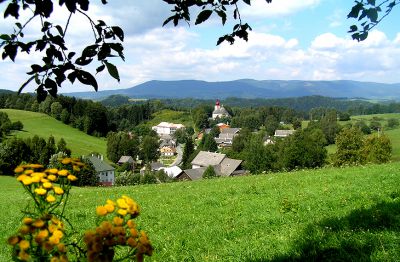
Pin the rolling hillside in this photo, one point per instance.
(44, 126)
(330, 214)
(249, 88)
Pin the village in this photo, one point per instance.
(170, 149)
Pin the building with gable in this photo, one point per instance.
(223, 166)
(219, 111)
(165, 128)
(105, 172)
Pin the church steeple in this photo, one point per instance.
(217, 105)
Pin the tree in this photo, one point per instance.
(304, 149)
(62, 147)
(121, 144)
(393, 122)
(209, 173)
(271, 124)
(349, 144)
(208, 143)
(188, 150)
(377, 149)
(12, 152)
(149, 149)
(55, 110)
(257, 157)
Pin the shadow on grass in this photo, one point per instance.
(354, 237)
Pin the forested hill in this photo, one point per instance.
(248, 88)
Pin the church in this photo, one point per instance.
(219, 111)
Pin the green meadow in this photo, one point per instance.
(329, 214)
(43, 125)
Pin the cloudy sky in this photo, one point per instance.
(291, 40)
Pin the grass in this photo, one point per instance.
(167, 115)
(43, 125)
(331, 214)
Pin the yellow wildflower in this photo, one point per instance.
(34, 166)
(52, 228)
(19, 170)
(134, 232)
(53, 171)
(58, 190)
(28, 172)
(118, 221)
(101, 211)
(122, 203)
(54, 240)
(44, 180)
(24, 229)
(52, 178)
(13, 240)
(110, 202)
(55, 259)
(27, 220)
(58, 234)
(24, 244)
(21, 177)
(110, 208)
(47, 185)
(63, 172)
(72, 178)
(76, 168)
(27, 181)
(41, 191)
(38, 223)
(122, 212)
(131, 242)
(35, 179)
(23, 255)
(66, 161)
(61, 248)
(43, 233)
(131, 223)
(50, 199)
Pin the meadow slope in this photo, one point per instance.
(43, 125)
(340, 214)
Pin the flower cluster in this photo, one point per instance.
(38, 235)
(120, 231)
(46, 186)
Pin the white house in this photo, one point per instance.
(165, 128)
(104, 171)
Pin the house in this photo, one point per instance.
(225, 138)
(155, 166)
(223, 166)
(219, 111)
(205, 159)
(165, 128)
(168, 151)
(284, 133)
(172, 171)
(222, 126)
(127, 159)
(105, 172)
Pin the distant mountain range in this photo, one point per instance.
(248, 88)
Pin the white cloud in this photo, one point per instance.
(277, 8)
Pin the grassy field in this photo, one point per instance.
(43, 125)
(167, 115)
(347, 214)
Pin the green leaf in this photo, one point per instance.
(355, 10)
(247, 2)
(119, 32)
(371, 2)
(5, 37)
(372, 15)
(203, 16)
(86, 78)
(112, 70)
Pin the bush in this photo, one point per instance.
(393, 122)
(349, 144)
(17, 126)
(127, 178)
(209, 173)
(377, 149)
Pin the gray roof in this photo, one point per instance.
(229, 165)
(100, 165)
(125, 159)
(284, 133)
(156, 165)
(206, 159)
(195, 174)
(221, 111)
(230, 131)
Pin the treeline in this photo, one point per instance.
(15, 151)
(301, 104)
(91, 117)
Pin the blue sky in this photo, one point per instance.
(291, 40)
